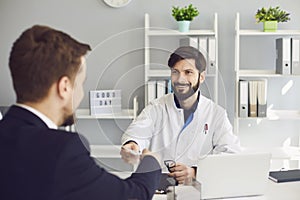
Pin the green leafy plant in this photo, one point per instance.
(271, 14)
(186, 13)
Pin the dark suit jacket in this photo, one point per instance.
(38, 163)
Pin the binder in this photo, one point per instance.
(161, 88)
(262, 98)
(170, 89)
(211, 67)
(202, 41)
(151, 90)
(285, 176)
(243, 98)
(253, 98)
(190, 41)
(283, 56)
(295, 45)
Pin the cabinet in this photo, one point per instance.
(160, 70)
(279, 130)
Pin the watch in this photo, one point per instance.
(117, 3)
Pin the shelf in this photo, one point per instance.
(105, 151)
(85, 114)
(277, 115)
(169, 32)
(261, 33)
(262, 73)
(159, 73)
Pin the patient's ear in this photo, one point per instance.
(64, 87)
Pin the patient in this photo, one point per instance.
(40, 162)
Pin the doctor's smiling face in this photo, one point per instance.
(187, 71)
(186, 78)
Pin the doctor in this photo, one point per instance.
(184, 126)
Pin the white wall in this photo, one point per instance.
(117, 37)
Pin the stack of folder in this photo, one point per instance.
(288, 56)
(158, 88)
(253, 98)
(207, 46)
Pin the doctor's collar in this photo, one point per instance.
(194, 107)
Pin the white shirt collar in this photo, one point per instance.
(43, 117)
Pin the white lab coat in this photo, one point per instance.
(159, 128)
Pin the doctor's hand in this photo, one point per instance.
(130, 153)
(182, 173)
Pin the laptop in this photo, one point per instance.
(233, 175)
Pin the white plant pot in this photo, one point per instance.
(183, 26)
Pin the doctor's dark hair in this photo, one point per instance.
(40, 57)
(188, 52)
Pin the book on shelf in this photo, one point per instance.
(202, 47)
(211, 66)
(158, 88)
(262, 98)
(189, 41)
(253, 98)
(243, 98)
(169, 86)
(295, 65)
(283, 56)
(207, 46)
(151, 90)
(161, 88)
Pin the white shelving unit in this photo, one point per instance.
(284, 154)
(259, 73)
(161, 32)
(85, 114)
(241, 72)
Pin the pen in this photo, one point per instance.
(205, 129)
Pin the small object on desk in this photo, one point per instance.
(285, 176)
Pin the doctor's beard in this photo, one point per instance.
(183, 96)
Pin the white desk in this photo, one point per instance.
(278, 191)
(275, 191)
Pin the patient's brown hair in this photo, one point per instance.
(39, 58)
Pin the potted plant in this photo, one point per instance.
(184, 16)
(271, 17)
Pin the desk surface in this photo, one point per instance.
(275, 191)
